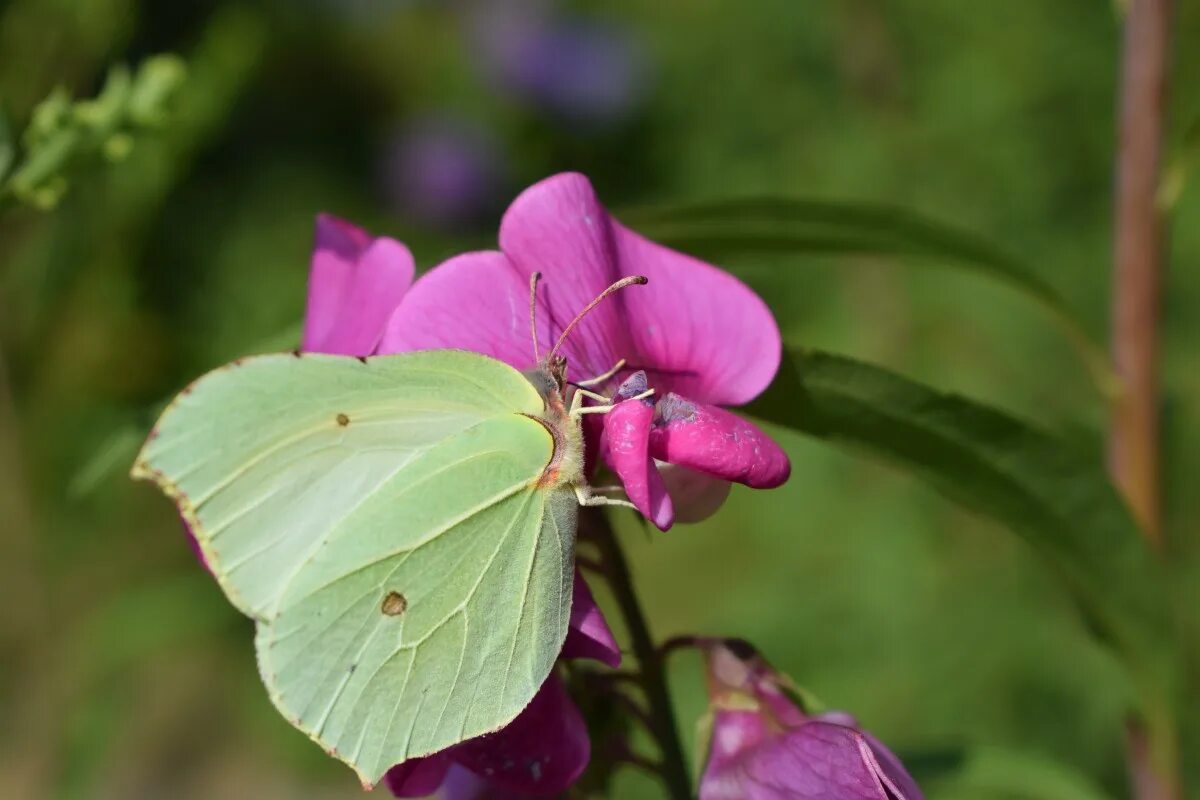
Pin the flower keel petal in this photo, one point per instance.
(627, 437)
(714, 441)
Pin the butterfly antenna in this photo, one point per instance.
(616, 287)
(533, 282)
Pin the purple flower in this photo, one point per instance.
(540, 753)
(695, 334)
(584, 72)
(764, 747)
(442, 171)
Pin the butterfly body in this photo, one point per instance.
(566, 465)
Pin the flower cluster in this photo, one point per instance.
(695, 334)
(701, 340)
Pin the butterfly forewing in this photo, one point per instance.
(383, 523)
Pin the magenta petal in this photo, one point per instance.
(894, 775)
(474, 301)
(711, 336)
(815, 760)
(540, 753)
(355, 283)
(558, 227)
(418, 777)
(627, 438)
(462, 784)
(696, 496)
(714, 441)
(194, 544)
(588, 635)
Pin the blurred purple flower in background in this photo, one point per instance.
(585, 72)
(442, 171)
(763, 746)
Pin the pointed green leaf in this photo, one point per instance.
(731, 228)
(1032, 482)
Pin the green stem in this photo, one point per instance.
(673, 769)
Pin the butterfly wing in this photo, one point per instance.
(382, 523)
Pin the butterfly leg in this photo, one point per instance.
(581, 393)
(586, 498)
(578, 408)
(602, 378)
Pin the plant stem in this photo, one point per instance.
(1133, 456)
(1138, 251)
(673, 769)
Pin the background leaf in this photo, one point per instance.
(1042, 487)
(722, 229)
(7, 146)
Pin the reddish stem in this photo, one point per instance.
(1136, 303)
(1138, 250)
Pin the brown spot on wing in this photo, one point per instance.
(394, 604)
(343, 420)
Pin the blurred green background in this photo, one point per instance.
(125, 674)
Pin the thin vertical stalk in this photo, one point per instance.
(672, 766)
(1138, 254)
(1133, 454)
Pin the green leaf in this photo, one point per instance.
(8, 148)
(731, 228)
(1034, 483)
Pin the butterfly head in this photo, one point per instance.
(553, 365)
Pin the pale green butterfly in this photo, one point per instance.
(401, 528)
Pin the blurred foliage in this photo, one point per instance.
(125, 673)
(62, 133)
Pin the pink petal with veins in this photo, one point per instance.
(355, 283)
(558, 227)
(694, 328)
(474, 301)
(815, 761)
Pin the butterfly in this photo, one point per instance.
(401, 529)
